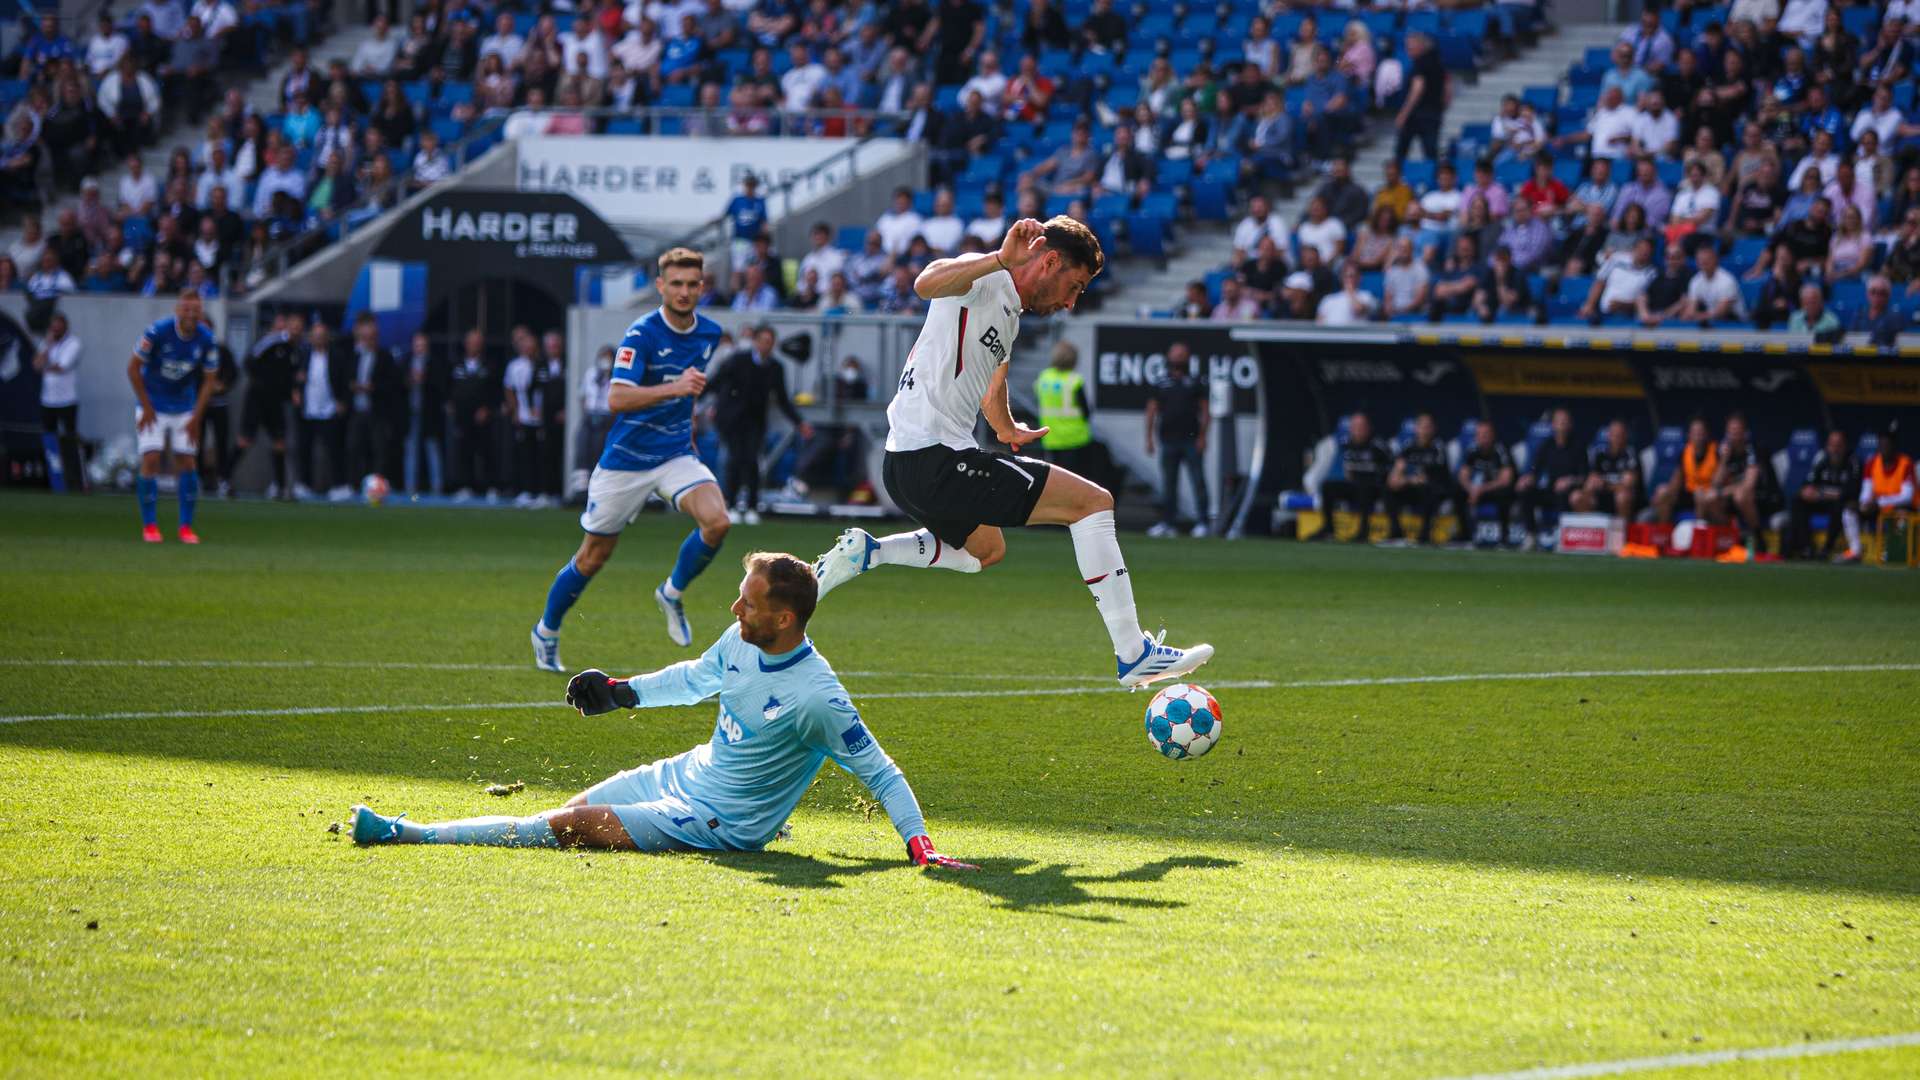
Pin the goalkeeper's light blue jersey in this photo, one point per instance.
(780, 718)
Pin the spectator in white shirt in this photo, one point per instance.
(431, 165)
(1754, 11)
(1620, 287)
(1609, 131)
(1350, 306)
(943, 231)
(823, 260)
(138, 190)
(374, 57)
(991, 226)
(105, 47)
(1852, 187)
(1260, 49)
(1323, 231)
(990, 83)
(51, 281)
(1880, 116)
(1803, 19)
(1713, 295)
(1260, 221)
(503, 42)
(585, 40)
(280, 177)
(1697, 201)
(218, 174)
(217, 17)
(898, 226)
(802, 80)
(1406, 281)
(640, 50)
(1656, 130)
(1821, 158)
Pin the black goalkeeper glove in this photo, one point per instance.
(594, 692)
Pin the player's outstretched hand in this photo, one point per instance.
(1024, 243)
(594, 691)
(920, 849)
(1021, 435)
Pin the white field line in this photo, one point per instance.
(331, 710)
(1231, 684)
(1712, 1057)
(410, 665)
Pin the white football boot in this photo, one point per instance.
(848, 558)
(1161, 662)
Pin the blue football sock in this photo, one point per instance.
(568, 584)
(189, 497)
(694, 557)
(492, 832)
(149, 490)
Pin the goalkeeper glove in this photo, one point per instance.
(920, 850)
(594, 691)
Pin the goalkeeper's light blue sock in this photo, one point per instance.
(189, 497)
(486, 832)
(694, 556)
(149, 490)
(568, 584)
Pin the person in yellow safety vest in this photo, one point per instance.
(1062, 395)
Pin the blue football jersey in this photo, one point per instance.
(653, 353)
(781, 718)
(171, 367)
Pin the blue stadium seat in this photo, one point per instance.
(851, 238)
(1565, 303)
(1160, 204)
(1543, 98)
(626, 125)
(1666, 454)
(1112, 206)
(1418, 174)
(1862, 22)
(1424, 22)
(1568, 171)
(1213, 281)
(1209, 199)
(1802, 446)
(1512, 174)
(1459, 52)
(1747, 250)
(947, 99)
(1059, 204)
(1175, 171)
(1569, 118)
(1123, 96)
(985, 169)
(449, 131)
(678, 96)
(1147, 236)
(1867, 446)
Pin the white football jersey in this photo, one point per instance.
(964, 340)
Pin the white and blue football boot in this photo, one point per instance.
(372, 828)
(679, 631)
(546, 651)
(1161, 662)
(850, 556)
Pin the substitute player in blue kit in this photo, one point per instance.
(172, 371)
(783, 713)
(658, 370)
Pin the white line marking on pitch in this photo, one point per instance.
(331, 710)
(1639, 673)
(409, 665)
(1712, 1057)
(1049, 691)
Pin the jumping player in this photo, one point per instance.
(171, 370)
(658, 370)
(962, 495)
(783, 712)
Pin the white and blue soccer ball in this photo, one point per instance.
(1183, 721)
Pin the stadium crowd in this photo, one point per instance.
(1837, 485)
(1752, 166)
(1131, 118)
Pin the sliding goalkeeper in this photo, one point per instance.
(783, 712)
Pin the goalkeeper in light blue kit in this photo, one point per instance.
(783, 712)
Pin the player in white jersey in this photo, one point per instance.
(960, 494)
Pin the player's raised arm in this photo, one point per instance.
(832, 725)
(953, 277)
(686, 683)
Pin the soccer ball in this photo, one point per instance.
(375, 488)
(1183, 721)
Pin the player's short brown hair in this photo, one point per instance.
(681, 256)
(790, 582)
(1075, 242)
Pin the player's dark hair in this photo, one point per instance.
(790, 582)
(681, 256)
(1075, 243)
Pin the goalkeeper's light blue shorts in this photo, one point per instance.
(654, 819)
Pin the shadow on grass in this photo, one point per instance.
(1772, 832)
(1024, 885)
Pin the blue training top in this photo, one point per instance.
(781, 718)
(171, 366)
(653, 353)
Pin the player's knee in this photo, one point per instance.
(589, 559)
(713, 533)
(1095, 500)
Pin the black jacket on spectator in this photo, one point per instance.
(269, 370)
(1347, 201)
(741, 389)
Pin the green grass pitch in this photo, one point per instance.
(1412, 879)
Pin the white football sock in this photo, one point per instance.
(1096, 546)
(923, 549)
(1850, 520)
